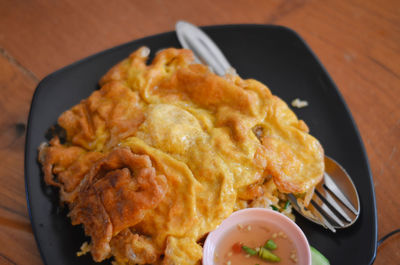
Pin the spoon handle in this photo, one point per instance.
(205, 50)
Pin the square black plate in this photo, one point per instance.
(276, 56)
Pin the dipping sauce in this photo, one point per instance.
(252, 228)
(254, 235)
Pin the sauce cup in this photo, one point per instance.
(253, 227)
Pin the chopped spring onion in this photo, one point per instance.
(265, 254)
(270, 244)
(286, 205)
(249, 251)
(274, 208)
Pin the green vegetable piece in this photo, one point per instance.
(274, 208)
(249, 251)
(317, 258)
(286, 205)
(267, 255)
(270, 244)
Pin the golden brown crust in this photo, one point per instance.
(115, 195)
(107, 116)
(131, 248)
(90, 212)
(65, 166)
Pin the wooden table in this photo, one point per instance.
(358, 41)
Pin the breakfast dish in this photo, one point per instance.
(164, 152)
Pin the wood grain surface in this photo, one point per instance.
(358, 41)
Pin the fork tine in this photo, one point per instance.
(313, 215)
(328, 198)
(325, 210)
(332, 187)
(313, 207)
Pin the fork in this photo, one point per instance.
(335, 203)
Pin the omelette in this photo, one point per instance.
(164, 151)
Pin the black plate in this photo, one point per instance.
(276, 56)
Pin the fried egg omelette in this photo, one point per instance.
(162, 153)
